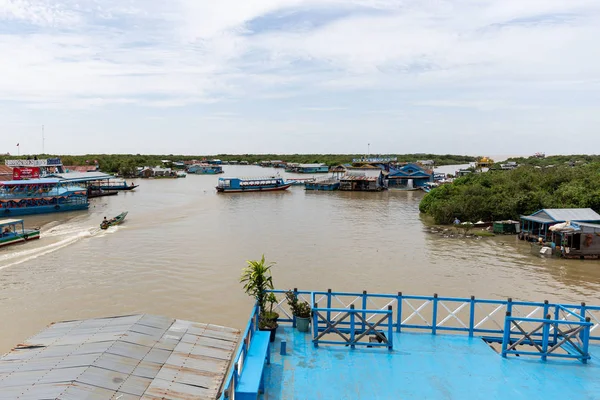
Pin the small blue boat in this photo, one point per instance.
(325, 184)
(238, 185)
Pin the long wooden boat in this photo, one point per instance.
(238, 185)
(38, 196)
(115, 221)
(12, 231)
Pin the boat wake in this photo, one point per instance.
(73, 235)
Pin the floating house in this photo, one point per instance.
(127, 357)
(156, 172)
(509, 166)
(205, 169)
(408, 177)
(307, 168)
(537, 225)
(426, 163)
(576, 239)
(462, 172)
(363, 182)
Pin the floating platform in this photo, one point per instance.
(396, 346)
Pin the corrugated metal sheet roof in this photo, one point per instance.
(572, 214)
(82, 176)
(127, 357)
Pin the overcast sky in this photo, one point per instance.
(300, 76)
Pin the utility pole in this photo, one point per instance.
(43, 141)
(368, 150)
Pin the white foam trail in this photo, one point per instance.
(20, 257)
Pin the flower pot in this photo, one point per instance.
(271, 331)
(302, 324)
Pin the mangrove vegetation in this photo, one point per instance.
(501, 195)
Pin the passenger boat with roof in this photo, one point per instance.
(39, 196)
(12, 231)
(237, 185)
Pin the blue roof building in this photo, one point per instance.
(409, 176)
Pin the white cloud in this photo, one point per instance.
(452, 54)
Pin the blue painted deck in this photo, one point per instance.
(422, 366)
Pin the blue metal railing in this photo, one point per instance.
(235, 371)
(322, 325)
(574, 341)
(436, 314)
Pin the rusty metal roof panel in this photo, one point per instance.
(135, 385)
(116, 363)
(37, 392)
(123, 358)
(130, 350)
(81, 391)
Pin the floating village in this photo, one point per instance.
(307, 344)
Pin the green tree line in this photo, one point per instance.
(499, 195)
(125, 164)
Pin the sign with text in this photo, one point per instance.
(34, 163)
(26, 173)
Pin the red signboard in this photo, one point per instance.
(26, 173)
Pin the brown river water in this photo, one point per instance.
(182, 247)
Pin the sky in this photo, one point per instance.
(300, 76)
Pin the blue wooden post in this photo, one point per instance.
(506, 336)
(472, 317)
(315, 325)
(399, 313)
(585, 341)
(329, 304)
(390, 329)
(283, 349)
(546, 333)
(582, 317)
(293, 316)
(364, 307)
(434, 317)
(556, 317)
(546, 312)
(352, 326)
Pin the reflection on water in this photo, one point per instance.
(182, 246)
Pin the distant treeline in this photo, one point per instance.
(500, 195)
(554, 160)
(125, 164)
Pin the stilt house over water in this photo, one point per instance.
(537, 225)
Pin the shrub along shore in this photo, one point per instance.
(500, 195)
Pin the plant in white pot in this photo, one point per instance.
(300, 309)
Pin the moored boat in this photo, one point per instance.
(13, 231)
(38, 196)
(329, 184)
(237, 185)
(114, 221)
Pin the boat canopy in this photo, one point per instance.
(41, 181)
(5, 222)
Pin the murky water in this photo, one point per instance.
(182, 247)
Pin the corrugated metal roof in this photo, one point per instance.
(127, 357)
(81, 176)
(572, 214)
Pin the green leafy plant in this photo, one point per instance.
(270, 314)
(257, 280)
(300, 309)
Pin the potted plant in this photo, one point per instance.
(257, 280)
(300, 309)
